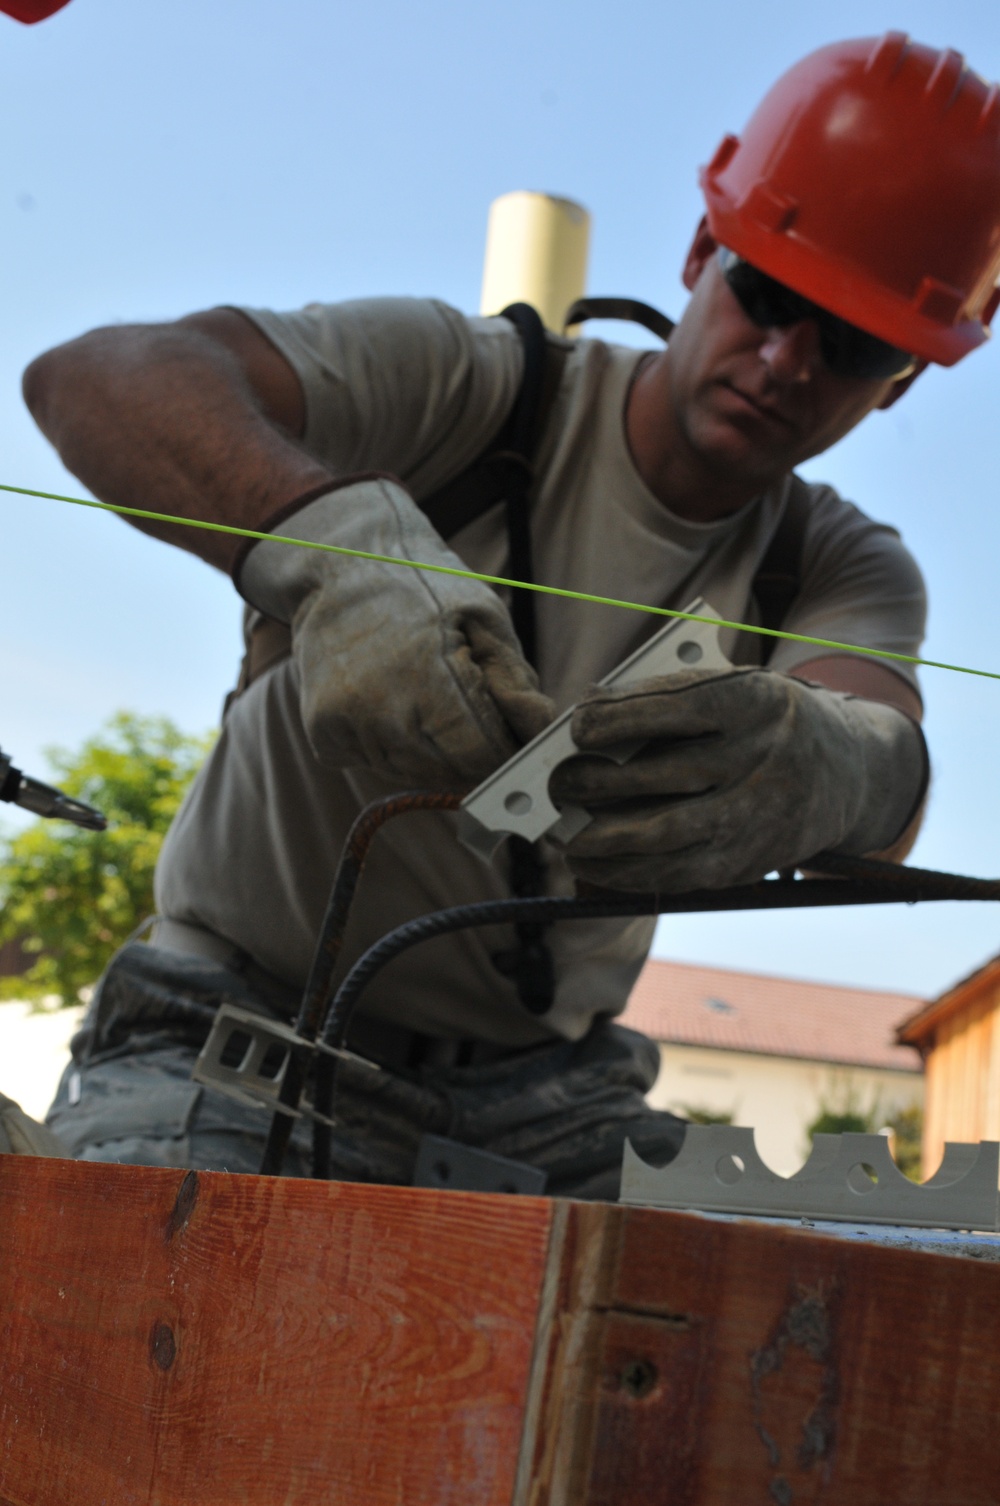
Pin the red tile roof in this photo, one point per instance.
(711, 1006)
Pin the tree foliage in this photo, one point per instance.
(71, 897)
(848, 1117)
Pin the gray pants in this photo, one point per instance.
(565, 1107)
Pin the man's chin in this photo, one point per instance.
(731, 454)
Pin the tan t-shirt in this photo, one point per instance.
(413, 387)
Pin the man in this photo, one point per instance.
(851, 237)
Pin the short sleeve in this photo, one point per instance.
(406, 385)
(860, 585)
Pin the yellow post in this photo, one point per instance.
(536, 252)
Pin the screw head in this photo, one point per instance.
(639, 1377)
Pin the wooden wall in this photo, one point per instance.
(212, 1340)
(962, 1085)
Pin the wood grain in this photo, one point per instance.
(181, 1340)
(729, 1364)
(171, 1341)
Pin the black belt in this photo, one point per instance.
(401, 1049)
(392, 1046)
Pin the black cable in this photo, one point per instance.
(865, 882)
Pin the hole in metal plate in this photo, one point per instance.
(234, 1052)
(518, 802)
(690, 652)
(862, 1178)
(729, 1169)
(274, 1059)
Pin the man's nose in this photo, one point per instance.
(792, 355)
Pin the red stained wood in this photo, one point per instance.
(170, 1341)
(742, 1363)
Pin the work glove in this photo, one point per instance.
(22, 1136)
(415, 675)
(738, 773)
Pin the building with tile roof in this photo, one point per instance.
(772, 1052)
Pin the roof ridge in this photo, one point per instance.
(735, 972)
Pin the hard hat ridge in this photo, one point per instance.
(868, 180)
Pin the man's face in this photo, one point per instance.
(753, 403)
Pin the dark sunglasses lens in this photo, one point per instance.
(766, 302)
(847, 350)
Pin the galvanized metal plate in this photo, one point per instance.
(461, 1168)
(847, 1177)
(515, 800)
(247, 1055)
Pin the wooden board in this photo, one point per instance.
(173, 1340)
(703, 1362)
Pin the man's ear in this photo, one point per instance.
(702, 249)
(898, 388)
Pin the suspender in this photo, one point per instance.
(779, 575)
(503, 473)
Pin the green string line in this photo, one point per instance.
(500, 580)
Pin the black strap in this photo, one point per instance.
(504, 472)
(779, 575)
(522, 441)
(630, 309)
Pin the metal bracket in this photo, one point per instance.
(461, 1168)
(847, 1178)
(247, 1056)
(515, 800)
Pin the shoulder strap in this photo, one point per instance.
(779, 575)
(504, 473)
(629, 309)
(488, 479)
(523, 436)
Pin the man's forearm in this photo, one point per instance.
(164, 417)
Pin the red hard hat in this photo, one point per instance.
(868, 180)
(31, 10)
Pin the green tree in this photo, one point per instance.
(705, 1116)
(830, 1122)
(907, 1141)
(847, 1116)
(71, 897)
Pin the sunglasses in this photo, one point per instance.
(846, 350)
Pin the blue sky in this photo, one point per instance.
(166, 155)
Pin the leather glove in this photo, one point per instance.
(415, 675)
(739, 773)
(23, 1136)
